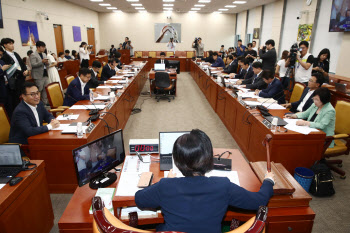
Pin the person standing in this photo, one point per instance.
(130, 47)
(240, 48)
(254, 46)
(84, 53)
(199, 47)
(171, 45)
(40, 65)
(268, 55)
(125, 43)
(52, 70)
(3, 81)
(250, 54)
(321, 63)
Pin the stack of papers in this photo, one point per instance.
(267, 100)
(273, 106)
(70, 129)
(106, 195)
(106, 87)
(102, 97)
(233, 80)
(117, 77)
(299, 129)
(114, 81)
(248, 95)
(68, 117)
(89, 107)
(140, 213)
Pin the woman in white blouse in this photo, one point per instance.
(52, 70)
(84, 53)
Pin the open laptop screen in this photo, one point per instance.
(159, 66)
(167, 140)
(10, 155)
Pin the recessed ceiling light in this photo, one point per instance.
(168, 0)
(168, 4)
(239, 2)
(199, 5)
(217, 12)
(136, 4)
(230, 6)
(204, 1)
(139, 8)
(142, 11)
(117, 11)
(168, 8)
(223, 10)
(195, 9)
(104, 4)
(96, 0)
(111, 8)
(132, 0)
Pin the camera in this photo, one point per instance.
(293, 55)
(195, 43)
(171, 39)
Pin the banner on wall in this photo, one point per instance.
(29, 32)
(256, 33)
(76, 34)
(304, 32)
(164, 31)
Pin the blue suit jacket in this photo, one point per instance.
(274, 90)
(73, 93)
(24, 125)
(107, 73)
(218, 63)
(308, 103)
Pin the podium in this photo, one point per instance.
(125, 58)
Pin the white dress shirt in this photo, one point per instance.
(15, 59)
(84, 54)
(307, 96)
(36, 115)
(82, 86)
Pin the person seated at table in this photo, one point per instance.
(66, 55)
(94, 82)
(117, 56)
(75, 55)
(232, 65)
(27, 119)
(248, 68)
(61, 57)
(305, 100)
(120, 46)
(196, 203)
(256, 81)
(218, 61)
(242, 72)
(320, 115)
(274, 87)
(108, 70)
(78, 88)
(321, 63)
(210, 57)
(162, 60)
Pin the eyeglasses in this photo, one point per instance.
(311, 81)
(34, 94)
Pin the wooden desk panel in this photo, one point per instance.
(26, 207)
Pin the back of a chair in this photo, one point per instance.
(54, 94)
(189, 54)
(169, 54)
(342, 113)
(152, 54)
(138, 53)
(297, 92)
(162, 79)
(5, 125)
(69, 79)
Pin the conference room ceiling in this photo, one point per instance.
(180, 6)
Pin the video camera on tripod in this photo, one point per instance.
(195, 43)
(293, 55)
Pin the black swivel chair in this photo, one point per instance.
(164, 86)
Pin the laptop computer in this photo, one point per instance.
(340, 87)
(166, 144)
(10, 162)
(159, 67)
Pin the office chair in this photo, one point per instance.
(163, 85)
(138, 53)
(105, 222)
(169, 54)
(152, 54)
(69, 79)
(189, 54)
(5, 125)
(55, 97)
(297, 92)
(341, 137)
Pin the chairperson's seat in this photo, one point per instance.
(164, 86)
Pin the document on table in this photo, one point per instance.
(233, 80)
(241, 88)
(105, 87)
(267, 100)
(61, 127)
(273, 106)
(72, 129)
(299, 129)
(68, 117)
(215, 72)
(88, 107)
(114, 81)
(2, 185)
(250, 94)
(117, 77)
(102, 97)
(122, 81)
(252, 103)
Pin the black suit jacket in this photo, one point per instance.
(268, 59)
(20, 79)
(249, 74)
(24, 125)
(166, 62)
(256, 82)
(107, 73)
(231, 68)
(308, 103)
(241, 73)
(274, 90)
(73, 93)
(94, 82)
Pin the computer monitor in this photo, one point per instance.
(167, 140)
(93, 160)
(159, 67)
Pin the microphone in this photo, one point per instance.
(92, 112)
(261, 107)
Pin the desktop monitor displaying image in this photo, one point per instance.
(96, 158)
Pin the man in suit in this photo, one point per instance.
(268, 55)
(249, 71)
(16, 78)
(4, 82)
(108, 70)
(274, 87)
(78, 88)
(94, 82)
(125, 43)
(232, 65)
(305, 100)
(27, 119)
(256, 81)
(40, 65)
(242, 72)
(162, 60)
(251, 54)
(218, 61)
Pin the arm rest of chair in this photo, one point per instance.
(63, 107)
(341, 136)
(57, 110)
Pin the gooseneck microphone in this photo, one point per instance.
(92, 111)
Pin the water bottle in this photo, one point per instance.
(218, 79)
(112, 96)
(127, 82)
(274, 124)
(80, 130)
(239, 96)
(91, 94)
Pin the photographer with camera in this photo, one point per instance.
(171, 45)
(268, 55)
(198, 46)
(130, 47)
(240, 50)
(303, 63)
(84, 53)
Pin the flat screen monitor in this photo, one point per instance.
(167, 141)
(98, 157)
(340, 16)
(159, 67)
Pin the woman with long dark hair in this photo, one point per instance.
(84, 53)
(321, 63)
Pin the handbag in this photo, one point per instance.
(322, 183)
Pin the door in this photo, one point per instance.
(91, 38)
(58, 38)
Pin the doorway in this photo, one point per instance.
(91, 38)
(58, 38)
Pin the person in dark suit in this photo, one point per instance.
(250, 54)
(108, 70)
(94, 82)
(125, 43)
(162, 60)
(241, 72)
(305, 100)
(206, 198)
(27, 119)
(210, 57)
(249, 71)
(274, 87)
(268, 55)
(256, 81)
(232, 65)
(4, 82)
(16, 79)
(218, 61)
(78, 88)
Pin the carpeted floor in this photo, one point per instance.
(191, 110)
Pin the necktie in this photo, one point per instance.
(162, 61)
(255, 76)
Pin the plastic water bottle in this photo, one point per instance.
(80, 130)
(274, 124)
(218, 79)
(127, 82)
(112, 96)
(91, 94)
